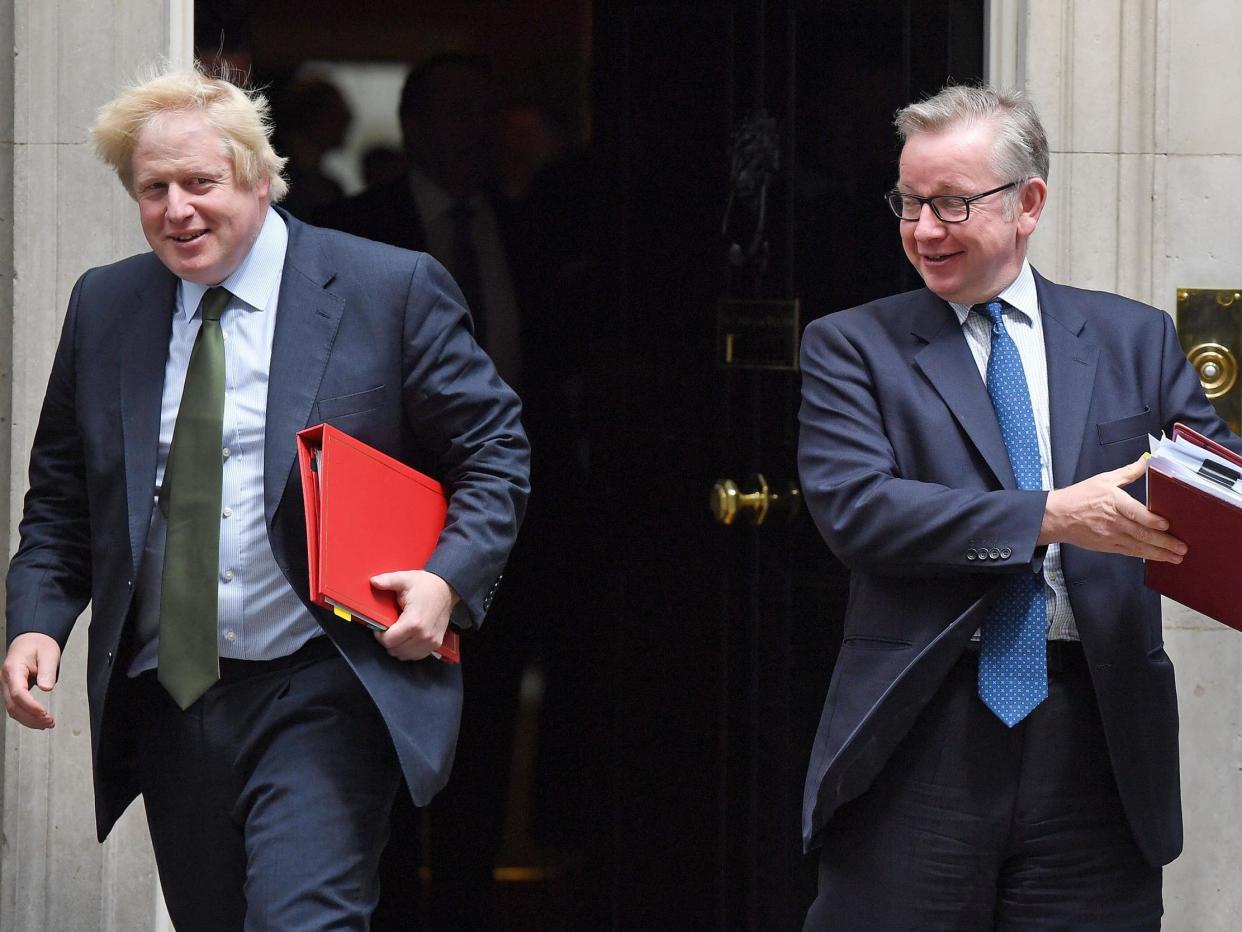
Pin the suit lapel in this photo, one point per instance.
(950, 367)
(1071, 377)
(148, 327)
(307, 319)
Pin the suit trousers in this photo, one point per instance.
(268, 798)
(975, 826)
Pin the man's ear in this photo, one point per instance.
(1031, 204)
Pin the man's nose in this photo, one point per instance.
(928, 226)
(179, 204)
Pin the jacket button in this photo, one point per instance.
(971, 554)
(1006, 553)
(109, 658)
(994, 553)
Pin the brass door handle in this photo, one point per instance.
(760, 501)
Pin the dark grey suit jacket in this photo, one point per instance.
(368, 337)
(906, 475)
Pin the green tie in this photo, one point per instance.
(190, 499)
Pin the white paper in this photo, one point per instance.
(1182, 459)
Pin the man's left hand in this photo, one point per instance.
(426, 602)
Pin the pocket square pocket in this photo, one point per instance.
(1126, 428)
(339, 406)
(869, 642)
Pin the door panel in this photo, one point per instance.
(663, 105)
(722, 638)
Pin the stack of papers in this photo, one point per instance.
(1197, 466)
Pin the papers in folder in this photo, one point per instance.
(1196, 485)
(366, 513)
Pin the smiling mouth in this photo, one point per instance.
(188, 237)
(939, 257)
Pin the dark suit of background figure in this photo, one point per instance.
(445, 109)
(388, 213)
(365, 335)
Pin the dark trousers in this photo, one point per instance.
(268, 799)
(975, 826)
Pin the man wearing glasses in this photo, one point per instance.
(998, 748)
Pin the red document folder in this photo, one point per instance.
(1208, 578)
(366, 513)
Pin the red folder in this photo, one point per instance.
(1208, 578)
(366, 513)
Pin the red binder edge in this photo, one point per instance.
(314, 438)
(1154, 573)
(309, 440)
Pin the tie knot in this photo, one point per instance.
(215, 300)
(993, 310)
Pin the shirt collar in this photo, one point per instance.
(432, 200)
(1020, 295)
(258, 275)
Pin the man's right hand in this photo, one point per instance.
(1098, 515)
(33, 659)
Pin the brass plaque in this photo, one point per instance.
(1209, 325)
(758, 334)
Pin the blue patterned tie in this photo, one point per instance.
(1013, 665)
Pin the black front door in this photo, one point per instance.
(738, 153)
(743, 149)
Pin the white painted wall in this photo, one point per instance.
(61, 212)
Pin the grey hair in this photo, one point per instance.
(1021, 150)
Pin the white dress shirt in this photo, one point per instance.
(261, 618)
(1025, 326)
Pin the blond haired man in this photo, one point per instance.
(269, 766)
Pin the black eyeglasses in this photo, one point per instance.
(948, 208)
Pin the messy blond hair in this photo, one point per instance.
(241, 117)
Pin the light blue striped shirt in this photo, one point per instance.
(1025, 326)
(260, 616)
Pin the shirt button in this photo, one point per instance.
(228, 512)
(230, 636)
(226, 452)
(228, 575)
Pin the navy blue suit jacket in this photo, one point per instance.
(905, 472)
(371, 338)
